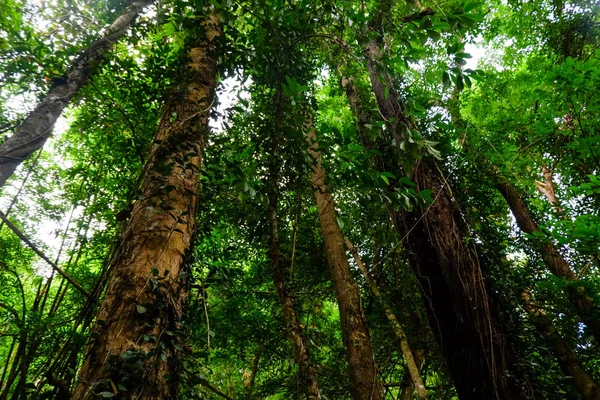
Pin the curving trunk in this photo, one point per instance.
(132, 351)
(32, 134)
(364, 381)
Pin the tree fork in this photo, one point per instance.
(132, 351)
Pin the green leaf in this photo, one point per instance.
(470, 6)
(446, 80)
(140, 309)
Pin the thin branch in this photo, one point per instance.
(207, 384)
(42, 255)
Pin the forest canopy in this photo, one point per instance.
(300, 199)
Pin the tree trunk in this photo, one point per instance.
(132, 351)
(35, 130)
(409, 387)
(411, 363)
(568, 361)
(457, 297)
(553, 259)
(364, 382)
(301, 354)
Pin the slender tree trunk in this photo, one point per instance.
(35, 130)
(411, 363)
(568, 361)
(364, 380)
(301, 354)
(457, 297)
(249, 383)
(409, 387)
(553, 259)
(132, 348)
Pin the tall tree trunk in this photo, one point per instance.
(364, 380)
(553, 259)
(35, 130)
(568, 361)
(412, 365)
(458, 300)
(409, 387)
(132, 348)
(301, 354)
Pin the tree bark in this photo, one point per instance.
(36, 128)
(364, 380)
(555, 262)
(553, 259)
(568, 361)
(132, 351)
(411, 363)
(457, 297)
(295, 333)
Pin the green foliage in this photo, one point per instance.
(532, 107)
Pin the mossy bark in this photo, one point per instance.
(132, 351)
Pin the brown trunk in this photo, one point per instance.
(547, 189)
(411, 363)
(249, 382)
(553, 259)
(364, 382)
(568, 361)
(456, 295)
(35, 130)
(301, 354)
(458, 301)
(132, 348)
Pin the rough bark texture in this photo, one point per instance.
(364, 380)
(457, 297)
(568, 361)
(408, 386)
(132, 348)
(547, 189)
(35, 130)
(411, 363)
(553, 259)
(295, 333)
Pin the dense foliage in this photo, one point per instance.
(500, 96)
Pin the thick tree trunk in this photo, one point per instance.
(411, 363)
(364, 380)
(553, 259)
(568, 361)
(35, 130)
(132, 348)
(301, 354)
(457, 297)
